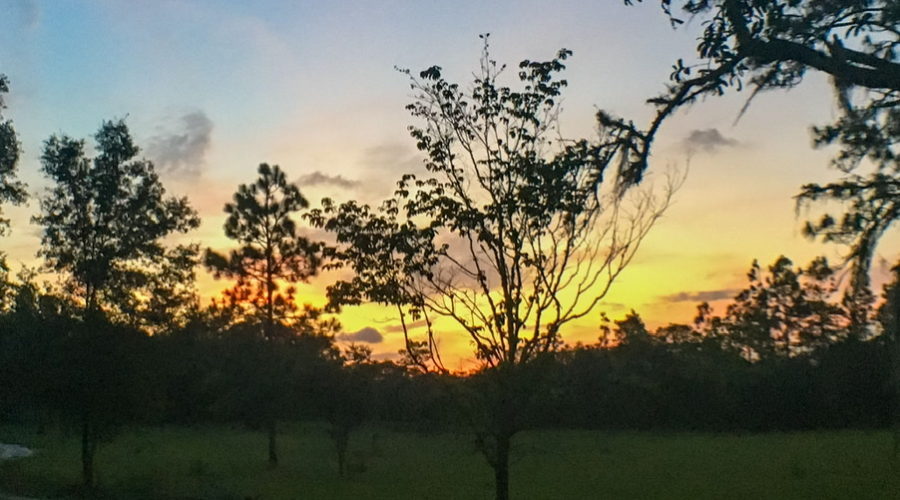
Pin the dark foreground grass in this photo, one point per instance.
(228, 463)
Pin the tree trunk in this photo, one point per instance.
(87, 453)
(894, 357)
(273, 455)
(341, 436)
(501, 467)
(895, 396)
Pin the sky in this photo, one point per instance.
(210, 89)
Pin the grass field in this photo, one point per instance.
(226, 463)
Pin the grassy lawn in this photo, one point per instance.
(229, 463)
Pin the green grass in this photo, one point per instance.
(230, 463)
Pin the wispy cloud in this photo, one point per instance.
(183, 152)
(28, 13)
(318, 178)
(708, 141)
(702, 296)
(399, 328)
(368, 335)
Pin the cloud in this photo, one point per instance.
(183, 152)
(368, 335)
(392, 160)
(318, 178)
(703, 296)
(409, 326)
(28, 13)
(708, 140)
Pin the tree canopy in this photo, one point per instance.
(512, 233)
(271, 253)
(104, 220)
(772, 44)
(11, 190)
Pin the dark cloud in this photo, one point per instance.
(320, 179)
(368, 335)
(183, 152)
(704, 296)
(709, 141)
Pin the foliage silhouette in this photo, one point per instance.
(785, 312)
(103, 221)
(510, 235)
(271, 252)
(772, 44)
(261, 219)
(11, 190)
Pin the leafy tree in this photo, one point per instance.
(271, 252)
(511, 235)
(103, 221)
(785, 312)
(772, 44)
(11, 190)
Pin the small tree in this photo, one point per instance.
(510, 235)
(103, 221)
(271, 253)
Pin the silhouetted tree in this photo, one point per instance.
(103, 221)
(772, 44)
(261, 382)
(785, 312)
(889, 317)
(31, 328)
(271, 253)
(11, 190)
(510, 235)
(348, 404)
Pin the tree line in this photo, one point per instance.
(721, 373)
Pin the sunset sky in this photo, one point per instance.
(211, 88)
